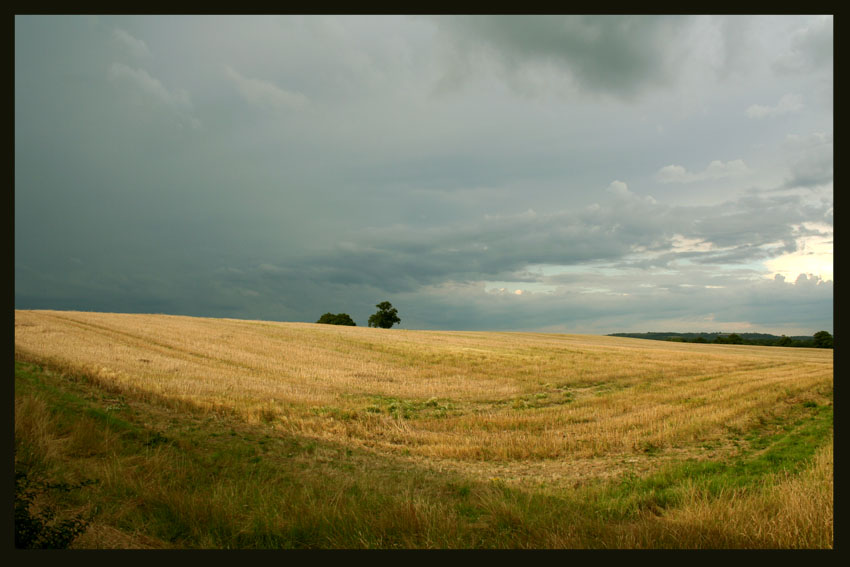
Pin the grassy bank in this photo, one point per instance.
(137, 472)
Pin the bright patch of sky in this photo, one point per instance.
(813, 256)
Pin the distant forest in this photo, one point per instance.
(821, 339)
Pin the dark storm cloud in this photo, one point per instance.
(754, 221)
(732, 304)
(616, 55)
(282, 167)
(400, 258)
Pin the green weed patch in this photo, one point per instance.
(770, 453)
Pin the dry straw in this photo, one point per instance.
(516, 405)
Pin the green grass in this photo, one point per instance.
(770, 452)
(167, 477)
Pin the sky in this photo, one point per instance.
(562, 174)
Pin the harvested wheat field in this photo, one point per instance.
(540, 415)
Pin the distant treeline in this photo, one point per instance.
(821, 339)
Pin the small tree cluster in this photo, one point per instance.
(337, 319)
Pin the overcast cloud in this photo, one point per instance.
(588, 174)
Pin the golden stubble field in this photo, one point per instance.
(522, 407)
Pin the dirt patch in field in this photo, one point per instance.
(574, 472)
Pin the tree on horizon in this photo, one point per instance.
(385, 317)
